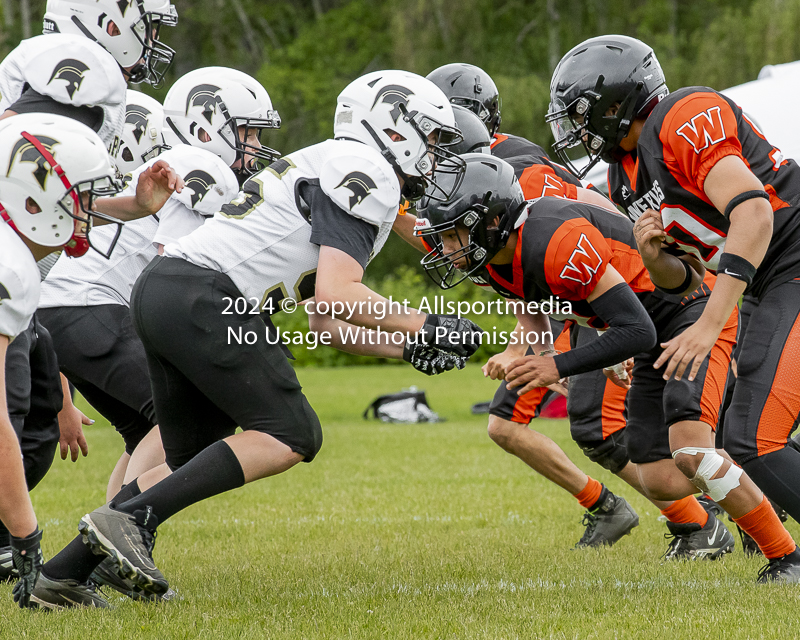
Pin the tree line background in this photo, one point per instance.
(305, 51)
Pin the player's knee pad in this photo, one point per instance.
(610, 453)
(717, 488)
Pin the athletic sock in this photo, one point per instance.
(686, 511)
(763, 525)
(76, 560)
(127, 492)
(212, 471)
(590, 495)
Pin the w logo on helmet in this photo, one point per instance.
(199, 182)
(24, 151)
(205, 96)
(395, 95)
(72, 72)
(137, 116)
(360, 184)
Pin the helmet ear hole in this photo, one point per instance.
(203, 136)
(127, 156)
(112, 29)
(31, 206)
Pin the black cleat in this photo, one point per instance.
(7, 570)
(65, 594)
(712, 508)
(785, 570)
(608, 522)
(128, 541)
(693, 542)
(105, 575)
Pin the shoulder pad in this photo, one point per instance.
(361, 183)
(209, 182)
(72, 70)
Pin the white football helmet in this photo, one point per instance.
(134, 43)
(376, 106)
(142, 136)
(206, 107)
(51, 161)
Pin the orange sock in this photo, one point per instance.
(763, 525)
(686, 511)
(590, 493)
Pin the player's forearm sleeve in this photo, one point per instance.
(630, 331)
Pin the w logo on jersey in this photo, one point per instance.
(703, 130)
(395, 95)
(205, 96)
(24, 151)
(137, 116)
(72, 72)
(583, 263)
(551, 184)
(199, 182)
(360, 184)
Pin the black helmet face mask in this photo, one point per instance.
(156, 56)
(440, 263)
(574, 142)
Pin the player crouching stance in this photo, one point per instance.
(56, 167)
(305, 226)
(587, 255)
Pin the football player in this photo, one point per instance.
(703, 183)
(305, 226)
(596, 405)
(587, 255)
(472, 88)
(85, 304)
(56, 168)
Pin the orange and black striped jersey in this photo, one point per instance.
(686, 134)
(564, 248)
(506, 146)
(540, 177)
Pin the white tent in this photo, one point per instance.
(769, 102)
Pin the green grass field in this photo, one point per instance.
(427, 531)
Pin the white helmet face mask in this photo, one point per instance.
(142, 136)
(53, 160)
(223, 111)
(410, 121)
(128, 29)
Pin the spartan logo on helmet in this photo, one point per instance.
(199, 182)
(137, 115)
(123, 6)
(204, 95)
(360, 184)
(26, 152)
(72, 72)
(394, 95)
(4, 294)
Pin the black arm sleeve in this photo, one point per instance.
(34, 102)
(630, 331)
(333, 227)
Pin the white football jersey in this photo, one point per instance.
(19, 283)
(69, 69)
(92, 280)
(261, 240)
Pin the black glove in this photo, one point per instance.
(27, 564)
(458, 336)
(430, 360)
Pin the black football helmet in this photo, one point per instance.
(483, 210)
(469, 86)
(590, 81)
(474, 136)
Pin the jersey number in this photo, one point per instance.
(693, 236)
(303, 290)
